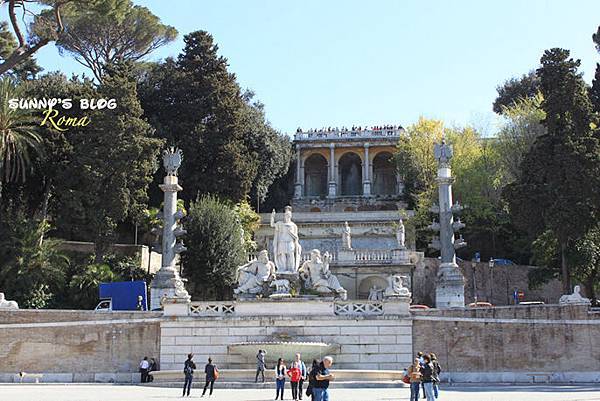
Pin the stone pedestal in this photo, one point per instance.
(450, 289)
(176, 306)
(397, 305)
(167, 284)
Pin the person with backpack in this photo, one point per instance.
(414, 375)
(280, 373)
(312, 378)
(212, 373)
(144, 365)
(295, 373)
(436, 374)
(188, 370)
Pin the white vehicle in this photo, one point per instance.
(104, 306)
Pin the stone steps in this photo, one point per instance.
(199, 384)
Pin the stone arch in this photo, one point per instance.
(384, 174)
(368, 282)
(315, 175)
(350, 174)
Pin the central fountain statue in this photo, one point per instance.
(286, 244)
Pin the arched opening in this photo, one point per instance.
(368, 283)
(350, 174)
(384, 174)
(315, 176)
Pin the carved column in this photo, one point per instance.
(332, 172)
(366, 172)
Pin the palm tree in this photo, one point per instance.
(17, 134)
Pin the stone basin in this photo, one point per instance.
(284, 349)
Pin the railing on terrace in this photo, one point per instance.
(211, 308)
(339, 134)
(358, 308)
(370, 256)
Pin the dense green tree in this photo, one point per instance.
(595, 89)
(99, 33)
(215, 248)
(196, 104)
(528, 85)
(32, 271)
(109, 168)
(559, 187)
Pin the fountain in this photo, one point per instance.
(284, 349)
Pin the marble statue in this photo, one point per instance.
(346, 237)
(282, 288)
(574, 298)
(401, 234)
(254, 274)
(172, 160)
(4, 304)
(286, 245)
(317, 276)
(375, 293)
(395, 287)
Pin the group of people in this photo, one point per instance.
(424, 373)
(211, 374)
(354, 128)
(318, 376)
(147, 366)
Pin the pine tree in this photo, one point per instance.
(559, 188)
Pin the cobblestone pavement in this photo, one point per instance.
(84, 392)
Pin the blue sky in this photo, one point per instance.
(344, 62)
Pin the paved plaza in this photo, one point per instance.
(83, 392)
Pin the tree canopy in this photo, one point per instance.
(514, 89)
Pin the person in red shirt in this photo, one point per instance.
(295, 374)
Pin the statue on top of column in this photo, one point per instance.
(286, 245)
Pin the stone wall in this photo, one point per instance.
(365, 343)
(509, 343)
(504, 279)
(77, 345)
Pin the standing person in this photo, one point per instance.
(414, 373)
(211, 375)
(144, 365)
(421, 361)
(312, 378)
(294, 373)
(303, 374)
(324, 376)
(436, 374)
(260, 365)
(151, 368)
(427, 378)
(280, 378)
(188, 370)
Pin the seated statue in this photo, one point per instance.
(4, 304)
(254, 274)
(395, 287)
(317, 276)
(574, 298)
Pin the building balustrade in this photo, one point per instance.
(341, 134)
(211, 309)
(358, 308)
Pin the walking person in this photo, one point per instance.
(280, 372)
(421, 361)
(436, 374)
(260, 365)
(144, 365)
(211, 375)
(414, 374)
(303, 374)
(188, 370)
(294, 372)
(427, 378)
(324, 376)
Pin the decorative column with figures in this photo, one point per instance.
(450, 288)
(167, 285)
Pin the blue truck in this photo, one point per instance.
(122, 295)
